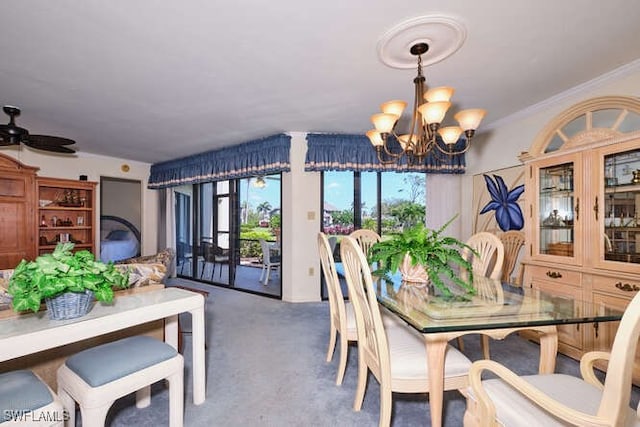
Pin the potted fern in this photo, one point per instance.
(424, 256)
(66, 281)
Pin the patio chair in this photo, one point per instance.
(269, 261)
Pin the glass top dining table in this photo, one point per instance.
(497, 310)
(496, 305)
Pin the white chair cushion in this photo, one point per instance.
(513, 409)
(108, 362)
(408, 355)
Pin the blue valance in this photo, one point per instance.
(259, 157)
(341, 152)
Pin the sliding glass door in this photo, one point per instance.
(230, 219)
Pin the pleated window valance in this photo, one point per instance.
(354, 153)
(259, 157)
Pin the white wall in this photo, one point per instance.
(502, 144)
(94, 166)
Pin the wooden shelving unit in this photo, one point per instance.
(66, 212)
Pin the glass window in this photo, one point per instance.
(384, 202)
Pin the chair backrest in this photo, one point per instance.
(617, 384)
(208, 251)
(336, 298)
(490, 256)
(365, 238)
(333, 241)
(512, 241)
(266, 252)
(373, 347)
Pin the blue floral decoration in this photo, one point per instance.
(504, 202)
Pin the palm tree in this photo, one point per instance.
(263, 209)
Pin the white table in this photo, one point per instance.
(30, 333)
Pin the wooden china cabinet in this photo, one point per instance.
(582, 210)
(17, 213)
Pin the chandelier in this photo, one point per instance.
(429, 109)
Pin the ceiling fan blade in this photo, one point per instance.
(46, 140)
(48, 147)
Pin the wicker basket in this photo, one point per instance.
(69, 305)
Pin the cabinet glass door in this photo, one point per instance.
(621, 208)
(556, 210)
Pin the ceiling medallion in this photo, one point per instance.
(443, 34)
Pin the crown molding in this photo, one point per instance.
(618, 73)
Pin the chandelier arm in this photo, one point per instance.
(388, 161)
(467, 145)
(385, 148)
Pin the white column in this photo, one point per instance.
(300, 224)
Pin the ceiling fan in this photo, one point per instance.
(11, 134)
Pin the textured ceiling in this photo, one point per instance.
(154, 80)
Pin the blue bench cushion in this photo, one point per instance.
(109, 362)
(21, 391)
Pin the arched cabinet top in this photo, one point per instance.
(8, 163)
(593, 120)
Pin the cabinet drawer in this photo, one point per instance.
(616, 286)
(553, 274)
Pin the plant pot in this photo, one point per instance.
(413, 295)
(69, 305)
(413, 273)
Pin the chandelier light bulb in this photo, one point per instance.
(393, 107)
(384, 122)
(439, 94)
(450, 134)
(375, 138)
(433, 112)
(470, 119)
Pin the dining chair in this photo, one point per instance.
(512, 241)
(396, 357)
(365, 238)
(269, 261)
(560, 399)
(342, 318)
(486, 261)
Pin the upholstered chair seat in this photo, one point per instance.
(25, 399)
(96, 377)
